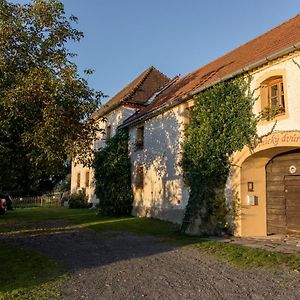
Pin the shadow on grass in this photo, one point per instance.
(25, 274)
(121, 239)
(78, 248)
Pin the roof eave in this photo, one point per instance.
(189, 95)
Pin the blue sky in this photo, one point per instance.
(124, 37)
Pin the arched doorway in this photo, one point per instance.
(283, 193)
(249, 182)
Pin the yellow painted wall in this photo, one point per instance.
(250, 167)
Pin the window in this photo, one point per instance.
(139, 178)
(139, 144)
(108, 132)
(273, 95)
(78, 180)
(187, 116)
(87, 179)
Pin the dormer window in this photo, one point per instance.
(273, 96)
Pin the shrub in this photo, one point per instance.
(113, 177)
(78, 200)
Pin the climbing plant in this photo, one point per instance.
(222, 123)
(113, 177)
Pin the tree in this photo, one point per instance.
(45, 105)
(113, 176)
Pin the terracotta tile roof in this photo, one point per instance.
(281, 37)
(136, 92)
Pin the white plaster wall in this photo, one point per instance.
(113, 119)
(78, 168)
(164, 194)
(292, 95)
(164, 191)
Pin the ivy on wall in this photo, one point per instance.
(222, 122)
(113, 177)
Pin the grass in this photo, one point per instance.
(51, 274)
(21, 220)
(29, 275)
(245, 257)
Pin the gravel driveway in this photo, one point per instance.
(126, 266)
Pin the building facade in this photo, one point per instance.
(265, 180)
(119, 108)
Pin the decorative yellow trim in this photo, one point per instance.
(264, 77)
(250, 166)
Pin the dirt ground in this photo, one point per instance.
(126, 266)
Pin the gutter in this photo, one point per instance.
(189, 95)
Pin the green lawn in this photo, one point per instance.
(50, 275)
(29, 275)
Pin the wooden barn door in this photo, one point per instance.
(292, 196)
(283, 191)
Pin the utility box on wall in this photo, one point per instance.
(252, 200)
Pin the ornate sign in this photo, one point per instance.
(280, 138)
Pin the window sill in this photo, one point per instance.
(139, 188)
(138, 147)
(278, 117)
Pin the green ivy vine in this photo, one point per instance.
(113, 176)
(222, 123)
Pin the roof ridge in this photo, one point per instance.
(137, 86)
(242, 45)
(253, 53)
(128, 93)
(163, 74)
(163, 88)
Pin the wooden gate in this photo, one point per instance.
(283, 190)
(292, 196)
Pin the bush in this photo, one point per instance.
(78, 200)
(113, 176)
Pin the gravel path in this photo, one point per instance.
(126, 266)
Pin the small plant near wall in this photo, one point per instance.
(268, 113)
(113, 176)
(222, 123)
(78, 200)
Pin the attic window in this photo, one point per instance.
(273, 95)
(139, 144)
